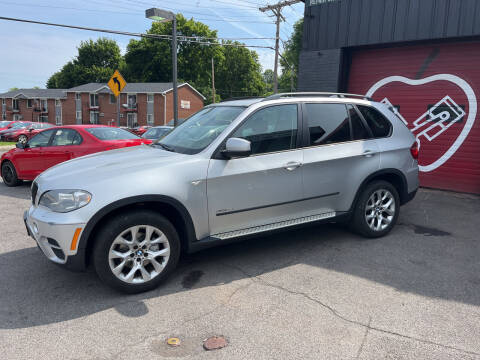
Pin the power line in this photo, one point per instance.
(141, 35)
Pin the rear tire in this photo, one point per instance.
(377, 209)
(136, 251)
(9, 174)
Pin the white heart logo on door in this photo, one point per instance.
(472, 106)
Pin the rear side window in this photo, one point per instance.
(359, 131)
(328, 123)
(379, 125)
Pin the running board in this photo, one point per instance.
(274, 226)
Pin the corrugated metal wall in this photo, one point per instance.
(347, 23)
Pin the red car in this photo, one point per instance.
(58, 144)
(4, 124)
(24, 133)
(14, 125)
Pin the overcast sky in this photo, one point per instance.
(31, 53)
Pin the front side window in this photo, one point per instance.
(66, 137)
(271, 129)
(200, 129)
(41, 139)
(379, 125)
(328, 123)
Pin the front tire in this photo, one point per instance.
(377, 209)
(136, 251)
(22, 139)
(9, 174)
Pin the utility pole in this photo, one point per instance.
(276, 9)
(213, 81)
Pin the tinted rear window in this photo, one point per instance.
(107, 133)
(379, 125)
(328, 123)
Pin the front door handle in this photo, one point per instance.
(292, 165)
(368, 153)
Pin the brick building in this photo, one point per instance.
(140, 103)
(94, 103)
(42, 105)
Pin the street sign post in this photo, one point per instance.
(116, 84)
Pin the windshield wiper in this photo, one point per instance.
(165, 147)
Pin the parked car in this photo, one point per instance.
(58, 144)
(23, 134)
(4, 125)
(157, 132)
(13, 126)
(232, 170)
(140, 130)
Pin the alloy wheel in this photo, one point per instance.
(7, 174)
(380, 210)
(139, 254)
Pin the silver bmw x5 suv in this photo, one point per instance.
(232, 170)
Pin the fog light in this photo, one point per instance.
(35, 228)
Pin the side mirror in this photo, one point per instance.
(31, 129)
(237, 147)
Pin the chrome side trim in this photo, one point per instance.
(274, 226)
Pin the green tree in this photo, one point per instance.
(96, 61)
(13, 89)
(237, 70)
(268, 80)
(289, 58)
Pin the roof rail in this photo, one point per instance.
(322, 94)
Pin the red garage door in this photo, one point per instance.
(434, 89)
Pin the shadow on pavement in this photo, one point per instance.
(21, 191)
(413, 258)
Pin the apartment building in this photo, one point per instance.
(140, 104)
(93, 103)
(39, 105)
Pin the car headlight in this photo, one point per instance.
(65, 200)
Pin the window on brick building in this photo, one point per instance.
(44, 104)
(93, 100)
(43, 118)
(132, 101)
(113, 99)
(29, 103)
(3, 101)
(4, 115)
(78, 115)
(150, 119)
(150, 98)
(78, 96)
(15, 104)
(94, 117)
(58, 102)
(58, 120)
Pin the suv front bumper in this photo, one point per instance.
(58, 241)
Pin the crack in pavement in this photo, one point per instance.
(368, 326)
(364, 338)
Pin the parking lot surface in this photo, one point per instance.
(315, 293)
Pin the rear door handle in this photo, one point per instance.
(292, 165)
(368, 153)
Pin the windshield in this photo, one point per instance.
(4, 123)
(156, 133)
(201, 129)
(111, 133)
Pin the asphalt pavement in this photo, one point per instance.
(316, 293)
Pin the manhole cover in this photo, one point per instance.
(214, 343)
